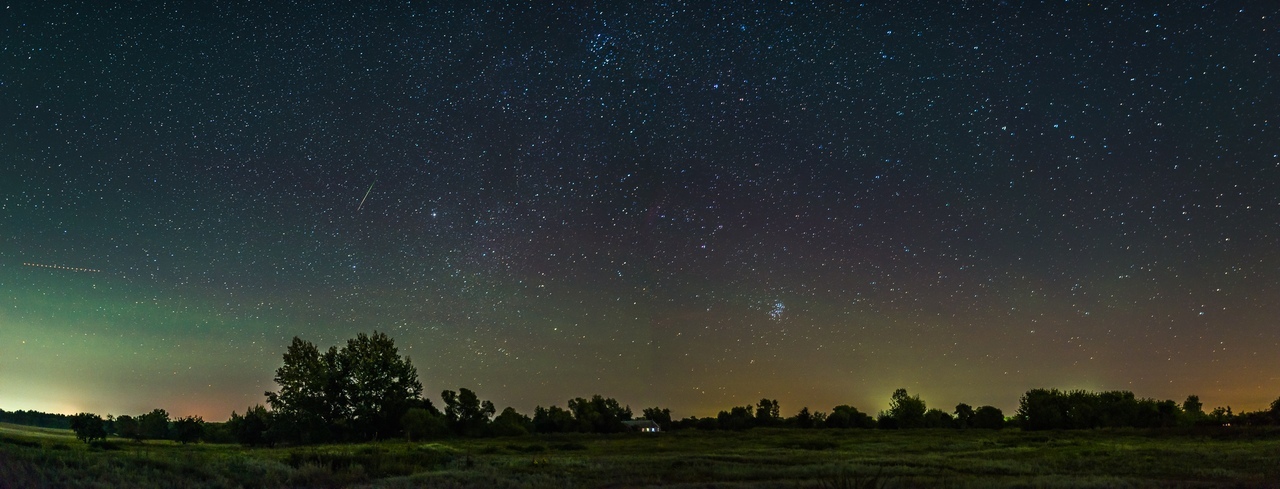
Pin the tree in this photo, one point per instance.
(737, 418)
(1221, 415)
(553, 420)
(127, 427)
(421, 423)
(1275, 411)
(88, 427)
(380, 384)
(362, 390)
(937, 418)
(251, 429)
(845, 416)
(154, 425)
(1192, 406)
(768, 413)
(511, 423)
(312, 395)
(662, 416)
(803, 419)
(218, 433)
(988, 418)
(188, 429)
(964, 415)
(906, 410)
(466, 414)
(1043, 409)
(599, 414)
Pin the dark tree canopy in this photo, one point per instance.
(511, 423)
(188, 429)
(937, 418)
(128, 427)
(768, 413)
(466, 413)
(380, 384)
(845, 416)
(736, 418)
(1047, 409)
(251, 429)
(36, 418)
(964, 415)
(804, 419)
(599, 414)
(662, 416)
(88, 427)
(905, 410)
(421, 423)
(554, 419)
(361, 391)
(312, 395)
(988, 418)
(154, 425)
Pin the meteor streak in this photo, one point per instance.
(366, 196)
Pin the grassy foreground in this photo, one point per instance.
(37, 457)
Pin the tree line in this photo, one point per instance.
(367, 391)
(36, 418)
(154, 425)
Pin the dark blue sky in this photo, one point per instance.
(692, 205)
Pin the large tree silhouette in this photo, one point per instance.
(362, 390)
(380, 384)
(311, 398)
(467, 415)
(907, 411)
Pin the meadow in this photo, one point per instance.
(759, 458)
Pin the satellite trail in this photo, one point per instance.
(61, 267)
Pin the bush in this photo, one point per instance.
(88, 427)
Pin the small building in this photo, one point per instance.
(642, 425)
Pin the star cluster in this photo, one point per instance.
(686, 204)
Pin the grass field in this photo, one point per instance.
(37, 457)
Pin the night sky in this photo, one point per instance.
(686, 204)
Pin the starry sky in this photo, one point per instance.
(685, 204)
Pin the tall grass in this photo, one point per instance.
(758, 458)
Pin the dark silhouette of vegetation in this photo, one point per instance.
(988, 418)
(511, 423)
(154, 425)
(253, 428)
(1047, 409)
(803, 419)
(904, 412)
(599, 414)
(36, 418)
(378, 384)
(88, 427)
(128, 427)
(662, 416)
(844, 416)
(736, 418)
(937, 418)
(768, 413)
(1275, 411)
(361, 391)
(964, 416)
(366, 391)
(189, 429)
(466, 414)
(554, 419)
(421, 423)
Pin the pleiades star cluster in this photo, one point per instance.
(691, 205)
